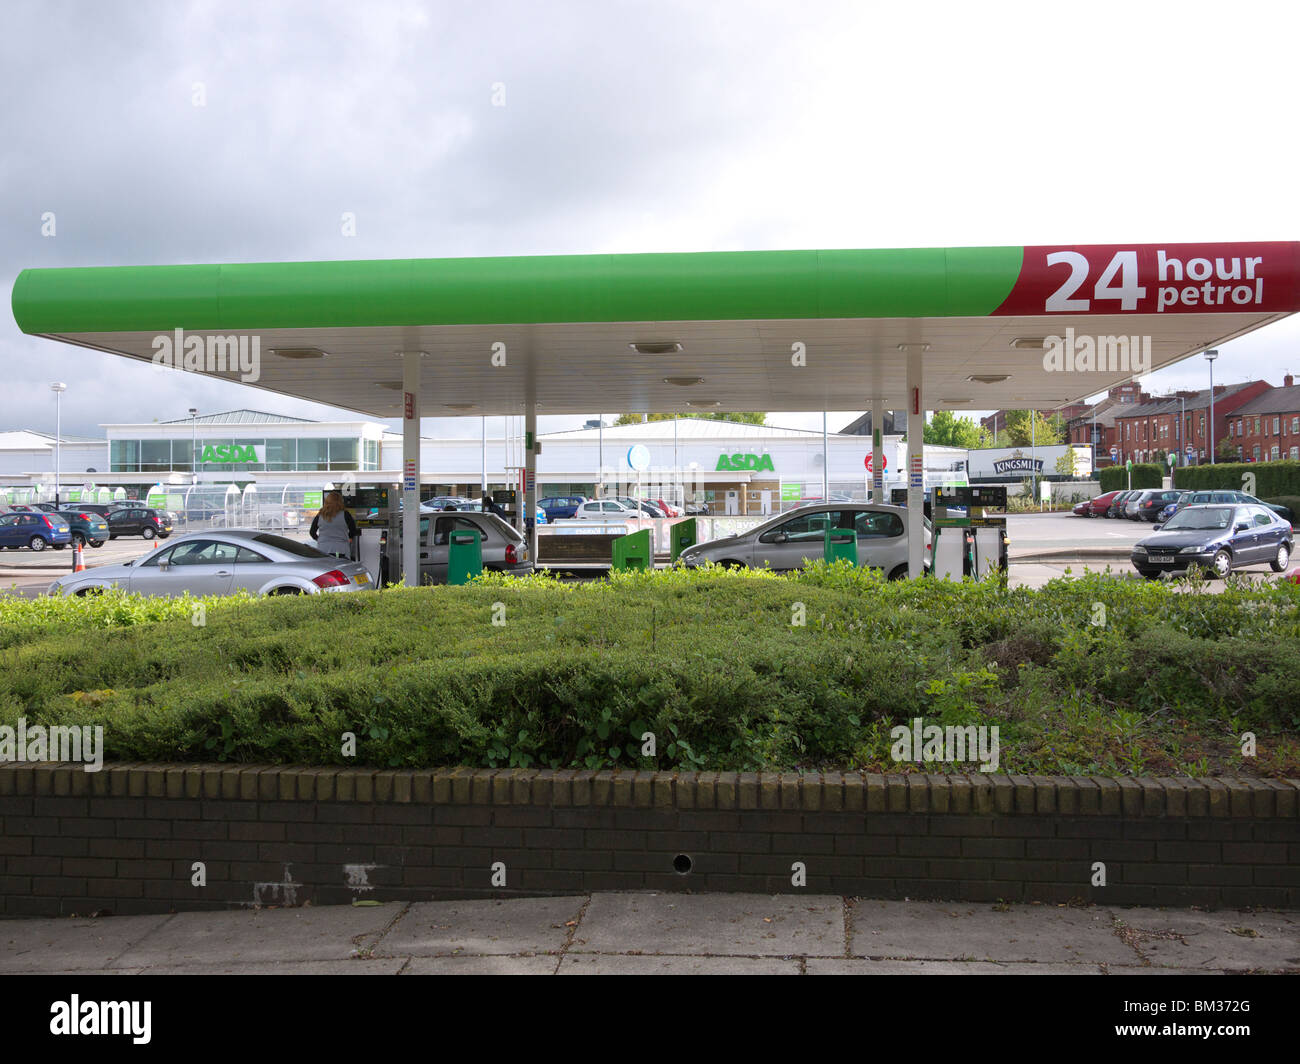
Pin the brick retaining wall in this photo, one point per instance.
(124, 840)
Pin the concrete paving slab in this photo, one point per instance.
(860, 966)
(1185, 938)
(359, 966)
(1126, 969)
(40, 945)
(332, 932)
(911, 930)
(539, 964)
(607, 964)
(717, 924)
(483, 927)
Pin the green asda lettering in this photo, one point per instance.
(229, 453)
(740, 463)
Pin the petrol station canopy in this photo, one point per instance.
(712, 331)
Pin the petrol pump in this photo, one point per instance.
(975, 543)
(377, 511)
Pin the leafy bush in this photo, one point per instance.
(728, 670)
(1271, 478)
(1145, 475)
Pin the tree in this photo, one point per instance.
(1065, 464)
(1029, 427)
(946, 429)
(741, 418)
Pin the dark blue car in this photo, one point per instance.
(561, 507)
(1216, 539)
(34, 530)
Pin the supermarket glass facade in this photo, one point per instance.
(241, 454)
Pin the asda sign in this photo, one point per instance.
(745, 463)
(231, 453)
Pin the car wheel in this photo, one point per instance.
(149, 531)
(899, 573)
(78, 539)
(287, 591)
(36, 543)
(731, 563)
(1278, 564)
(89, 591)
(96, 542)
(1222, 564)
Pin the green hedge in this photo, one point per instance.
(729, 670)
(1145, 475)
(1271, 478)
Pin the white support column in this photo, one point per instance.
(530, 475)
(878, 451)
(411, 468)
(915, 465)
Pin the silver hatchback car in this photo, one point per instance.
(503, 547)
(220, 563)
(798, 536)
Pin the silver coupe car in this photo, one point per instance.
(220, 563)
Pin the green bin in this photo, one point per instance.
(841, 543)
(632, 552)
(464, 556)
(681, 536)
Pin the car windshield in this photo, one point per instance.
(290, 546)
(1204, 518)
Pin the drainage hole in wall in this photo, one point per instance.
(681, 864)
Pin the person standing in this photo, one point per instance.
(333, 527)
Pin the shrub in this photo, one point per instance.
(1145, 475)
(1271, 478)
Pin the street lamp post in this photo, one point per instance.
(1210, 356)
(58, 388)
(194, 447)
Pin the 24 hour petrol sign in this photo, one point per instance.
(1156, 279)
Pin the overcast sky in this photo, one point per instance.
(627, 127)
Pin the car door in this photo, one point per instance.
(252, 570)
(787, 545)
(199, 566)
(882, 537)
(10, 531)
(1267, 533)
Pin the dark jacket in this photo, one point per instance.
(314, 531)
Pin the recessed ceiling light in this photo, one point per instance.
(297, 352)
(703, 402)
(683, 382)
(392, 386)
(1029, 343)
(954, 402)
(914, 345)
(655, 347)
(459, 406)
(989, 378)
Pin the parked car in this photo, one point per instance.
(1082, 509)
(1231, 496)
(667, 510)
(219, 563)
(34, 530)
(139, 521)
(798, 536)
(1116, 508)
(87, 527)
(604, 510)
(1151, 502)
(504, 548)
(696, 509)
(1217, 538)
(561, 507)
(646, 508)
(106, 508)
